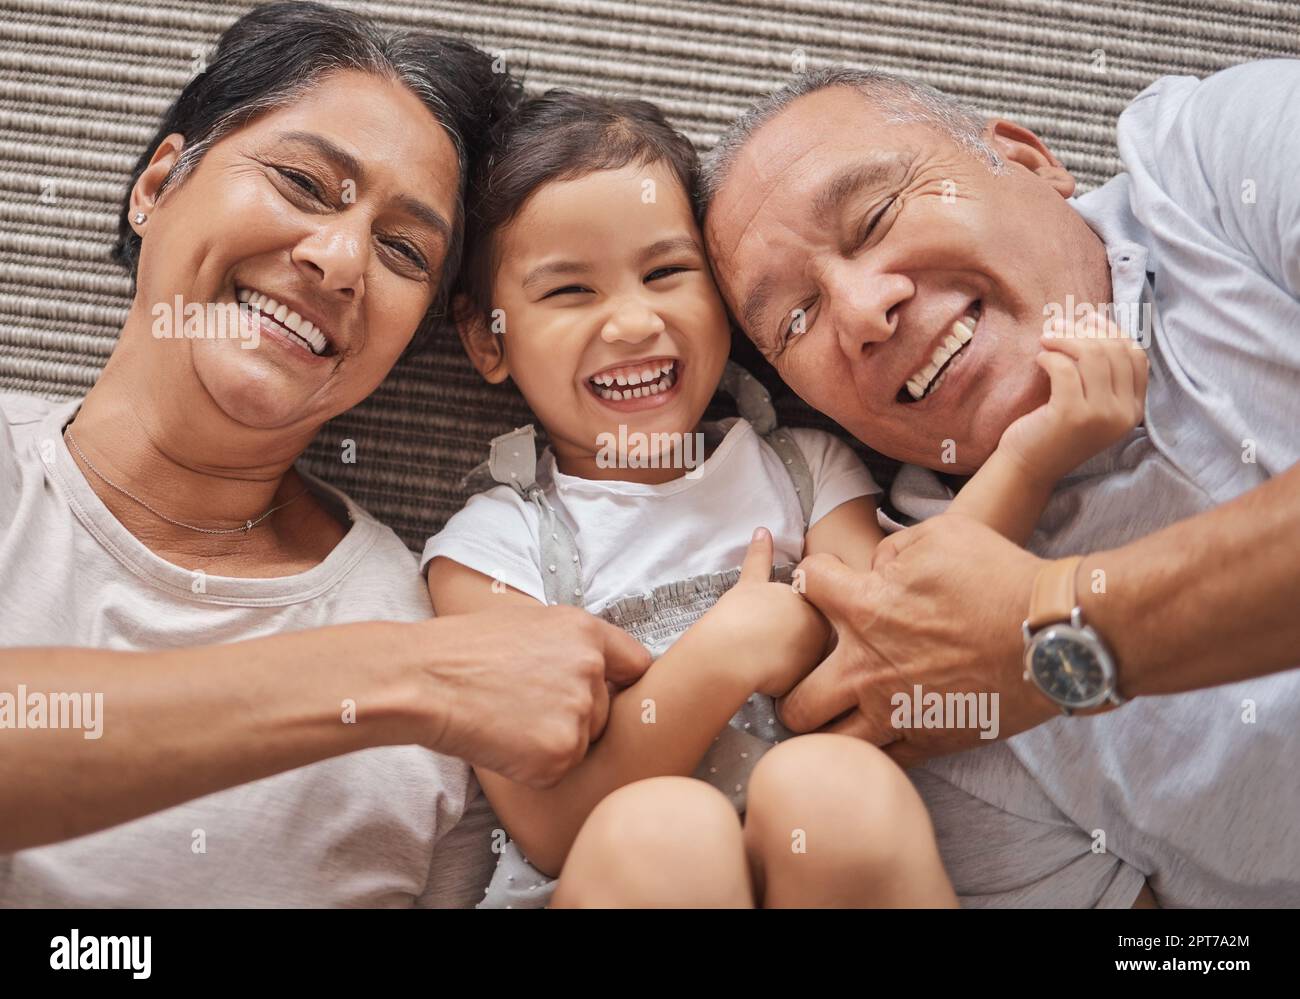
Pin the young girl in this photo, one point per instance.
(586, 283)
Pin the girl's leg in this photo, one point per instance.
(666, 842)
(833, 821)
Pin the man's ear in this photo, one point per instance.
(482, 343)
(1019, 145)
(145, 192)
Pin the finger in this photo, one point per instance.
(1137, 357)
(859, 726)
(599, 708)
(822, 695)
(1121, 374)
(829, 585)
(1087, 352)
(1063, 374)
(625, 658)
(757, 565)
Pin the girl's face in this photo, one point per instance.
(609, 316)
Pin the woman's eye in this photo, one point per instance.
(408, 251)
(301, 180)
(568, 289)
(662, 272)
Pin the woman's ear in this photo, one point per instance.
(1019, 145)
(482, 343)
(145, 193)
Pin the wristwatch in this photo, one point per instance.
(1065, 658)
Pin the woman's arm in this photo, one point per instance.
(760, 636)
(180, 724)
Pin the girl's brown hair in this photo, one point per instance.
(561, 135)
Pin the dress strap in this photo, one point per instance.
(754, 403)
(512, 462)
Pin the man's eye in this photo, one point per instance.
(568, 289)
(662, 272)
(875, 219)
(797, 326)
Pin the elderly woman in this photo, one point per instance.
(221, 683)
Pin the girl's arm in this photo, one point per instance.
(759, 636)
(1098, 386)
(1098, 392)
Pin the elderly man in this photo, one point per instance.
(852, 218)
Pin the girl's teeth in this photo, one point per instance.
(605, 391)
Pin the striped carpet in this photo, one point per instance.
(82, 83)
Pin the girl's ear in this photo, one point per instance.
(484, 346)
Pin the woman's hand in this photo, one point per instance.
(1099, 384)
(524, 694)
(769, 629)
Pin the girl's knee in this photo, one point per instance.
(833, 785)
(651, 813)
(671, 841)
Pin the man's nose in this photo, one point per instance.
(631, 320)
(863, 303)
(337, 255)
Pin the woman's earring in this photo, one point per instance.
(139, 218)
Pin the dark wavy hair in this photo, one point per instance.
(274, 54)
(561, 135)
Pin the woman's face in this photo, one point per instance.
(338, 207)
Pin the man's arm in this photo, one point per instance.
(180, 724)
(1209, 600)
(759, 636)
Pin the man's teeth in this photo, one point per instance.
(641, 380)
(294, 323)
(960, 335)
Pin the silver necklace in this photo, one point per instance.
(248, 525)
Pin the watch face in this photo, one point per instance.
(1070, 666)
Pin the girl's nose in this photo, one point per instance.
(631, 322)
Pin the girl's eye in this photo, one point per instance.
(568, 289)
(662, 272)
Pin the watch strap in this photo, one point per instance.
(1054, 595)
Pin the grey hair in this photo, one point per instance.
(901, 99)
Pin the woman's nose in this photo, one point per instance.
(632, 322)
(337, 256)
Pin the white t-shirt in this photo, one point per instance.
(632, 537)
(391, 826)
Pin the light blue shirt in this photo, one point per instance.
(1199, 791)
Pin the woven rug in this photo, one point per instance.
(83, 82)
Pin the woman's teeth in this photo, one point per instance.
(641, 381)
(924, 381)
(312, 337)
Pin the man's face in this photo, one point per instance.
(874, 262)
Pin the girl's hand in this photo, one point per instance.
(769, 630)
(1099, 384)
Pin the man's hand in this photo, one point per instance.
(525, 694)
(942, 608)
